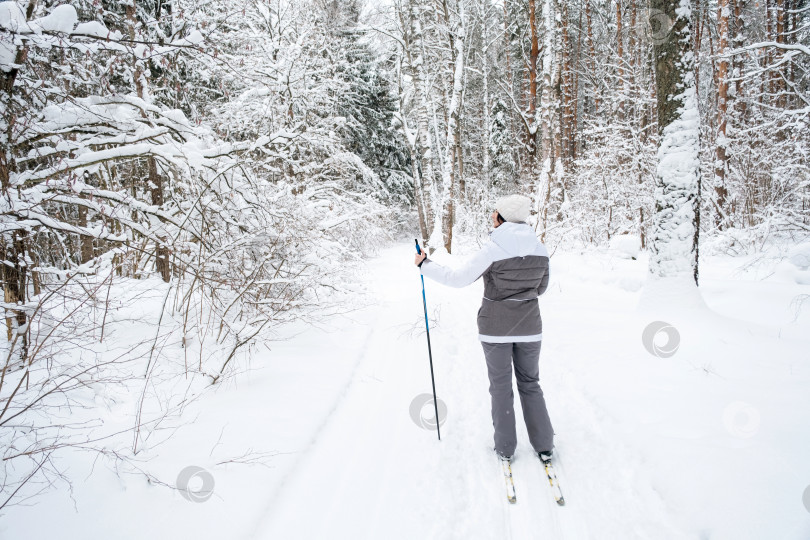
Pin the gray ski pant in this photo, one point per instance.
(526, 358)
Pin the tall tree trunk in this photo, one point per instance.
(632, 53)
(738, 41)
(620, 59)
(507, 45)
(413, 137)
(698, 20)
(592, 55)
(425, 140)
(721, 161)
(711, 52)
(676, 223)
(155, 184)
(567, 76)
(531, 113)
(771, 29)
(485, 84)
(549, 107)
(791, 26)
(560, 23)
(783, 70)
(14, 243)
(576, 66)
(449, 180)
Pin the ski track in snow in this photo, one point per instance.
(646, 447)
(372, 473)
(301, 462)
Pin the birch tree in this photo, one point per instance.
(456, 33)
(549, 123)
(415, 49)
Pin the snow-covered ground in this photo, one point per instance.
(710, 442)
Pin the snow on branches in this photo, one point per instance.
(196, 151)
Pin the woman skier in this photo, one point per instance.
(514, 265)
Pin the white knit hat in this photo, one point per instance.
(514, 208)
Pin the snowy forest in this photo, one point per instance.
(184, 181)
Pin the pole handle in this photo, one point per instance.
(418, 252)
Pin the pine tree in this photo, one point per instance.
(503, 169)
(367, 102)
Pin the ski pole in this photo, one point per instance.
(430, 354)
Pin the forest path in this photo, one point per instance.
(646, 446)
(371, 472)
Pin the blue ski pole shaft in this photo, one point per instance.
(430, 353)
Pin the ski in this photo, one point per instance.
(506, 465)
(553, 482)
